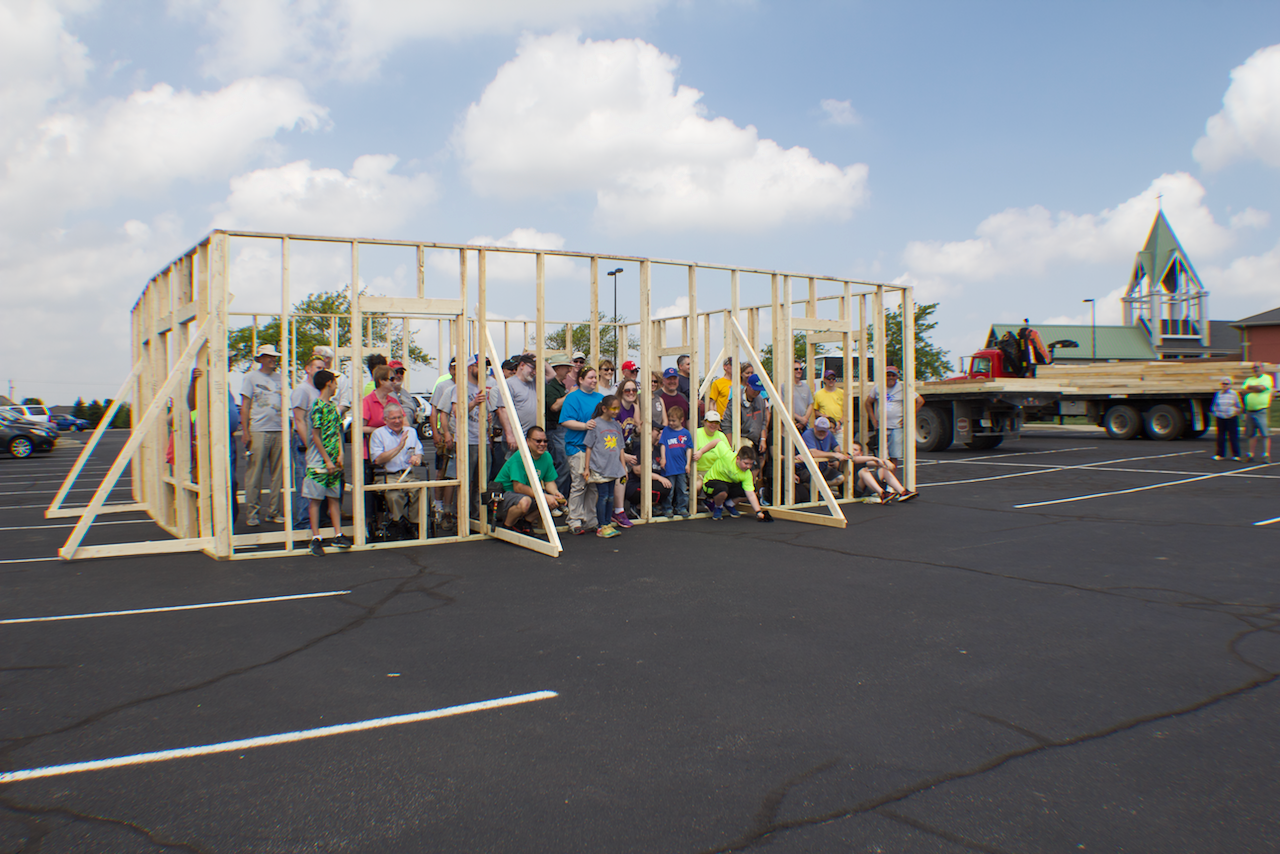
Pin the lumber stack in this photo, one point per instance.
(1025, 385)
(1173, 376)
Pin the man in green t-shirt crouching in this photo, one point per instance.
(519, 505)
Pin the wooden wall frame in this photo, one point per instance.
(182, 320)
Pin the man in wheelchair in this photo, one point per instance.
(395, 449)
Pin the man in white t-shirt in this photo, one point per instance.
(893, 411)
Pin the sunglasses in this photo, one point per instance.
(538, 441)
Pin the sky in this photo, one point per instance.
(1003, 158)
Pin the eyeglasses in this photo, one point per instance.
(538, 441)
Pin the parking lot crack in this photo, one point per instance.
(38, 821)
(953, 838)
(413, 585)
(761, 833)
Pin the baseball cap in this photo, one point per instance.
(822, 423)
(630, 366)
(670, 372)
(753, 382)
(891, 370)
(396, 365)
(578, 354)
(829, 375)
(711, 415)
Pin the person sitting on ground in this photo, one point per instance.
(732, 479)
(876, 475)
(825, 449)
(660, 487)
(324, 462)
(395, 448)
(603, 445)
(519, 507)
(674, 445)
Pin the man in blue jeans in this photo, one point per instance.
(1257, 405)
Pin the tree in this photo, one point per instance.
(79, 409)
(32, 401)
(93, 413)
(931, 362)
(124, 417)
(313, 331)
(582, 339)
(800, 351)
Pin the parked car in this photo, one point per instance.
(69, 422)
(22, 437)
(423, 425)
(31, 413)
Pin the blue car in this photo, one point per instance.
(69, 422)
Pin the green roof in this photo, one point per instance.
(1114, 342)
(1160, 250)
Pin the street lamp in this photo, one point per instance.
(1093, 325)
(614, 274)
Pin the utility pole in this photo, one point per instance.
(614, 274)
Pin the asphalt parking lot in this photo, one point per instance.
(1066, 644)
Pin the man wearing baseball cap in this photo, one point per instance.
(893, 410)
(262, 411)
(671, 395)
(828, 401)
(630, 370)
(825, 449)
(407, 401)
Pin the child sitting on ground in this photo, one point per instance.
(865, 479)
(675, 444)
(731, 478)
(324, 462)
(606, 466)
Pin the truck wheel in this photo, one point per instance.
(933, 429)
(984, 443)
(1122, 422)
(1164, 422)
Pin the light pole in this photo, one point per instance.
(614, 274)
(1093, 325)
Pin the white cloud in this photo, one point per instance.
(140, 145)
(568, 115)
(516, 266)
(1251, 218)
(370, 201)
(1029, 240)
(1249, 123)
(39, 61)
(351, 38)
(839, 112)
(1248, 276)
(1110, 312)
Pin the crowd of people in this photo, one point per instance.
(585, 442)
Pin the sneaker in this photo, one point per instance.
(577, 531)
(1248, 458)
(1218, 457)
(252, 521)
(317, 547)
(716, 512)
(711, 505)
(620, 519)
(873, 499)
(342, 541)
(734, 512)
(1238, 459)
(606, 532)
(907, 496)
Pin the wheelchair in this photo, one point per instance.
(379, 526)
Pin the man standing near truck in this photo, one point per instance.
(1257, 404)
(893, 410)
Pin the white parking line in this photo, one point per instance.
(1268, 521)
(264, 741)
(1056, 468)
(200, 606)
(31, 560)
(46, 506)
(1124, 491)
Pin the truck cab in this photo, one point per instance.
(982, 365)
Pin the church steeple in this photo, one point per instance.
(1165, 296)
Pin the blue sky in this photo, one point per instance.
(1003, 157)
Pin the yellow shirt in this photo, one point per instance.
(721, 388)
(830, 404)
